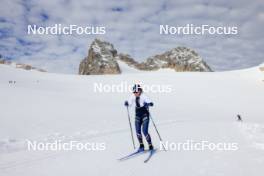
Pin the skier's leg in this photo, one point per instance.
(138, 124)
(145, 131)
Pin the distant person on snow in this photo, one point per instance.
(239, 118)
(142, 115)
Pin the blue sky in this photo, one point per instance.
(133, 28)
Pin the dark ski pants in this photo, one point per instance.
(144, 123)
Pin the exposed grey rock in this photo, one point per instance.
(128, 60)
(179, 59)
(101, 59)
(19, 65)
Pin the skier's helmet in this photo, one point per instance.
(137, 88)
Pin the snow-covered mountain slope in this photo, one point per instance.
(202, 106)
(126, 68)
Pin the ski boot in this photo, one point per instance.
(141, 148)
(151, 147)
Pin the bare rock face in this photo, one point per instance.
(101, 59)
(19, 65)
(180, 59)
(128, 60)
(4, 61)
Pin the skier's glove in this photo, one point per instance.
(148, 104)
(126, 103)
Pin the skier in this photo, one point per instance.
(142, 103)
(239, 118)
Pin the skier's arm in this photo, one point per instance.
(129, 102)
(147, 101)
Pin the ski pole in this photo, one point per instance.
(157, 131)
(131, 130)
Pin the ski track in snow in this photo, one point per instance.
(16, 146)
(33, 108)
(254, 132)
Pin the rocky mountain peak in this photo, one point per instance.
(179, 59)
(101, 59)
(103, 48)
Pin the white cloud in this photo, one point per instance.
(133, 27)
